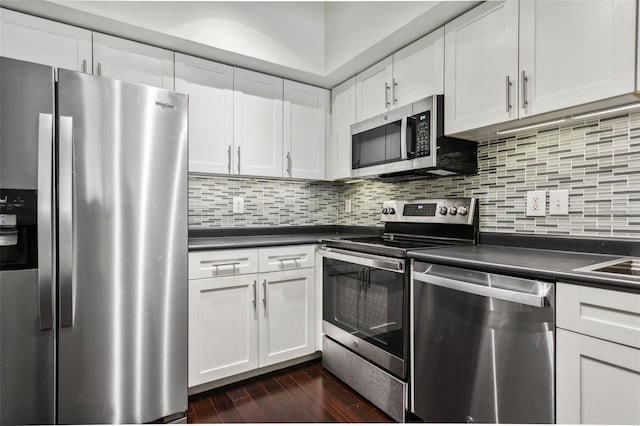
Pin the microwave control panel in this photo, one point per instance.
(423, 134)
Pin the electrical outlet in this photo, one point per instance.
(347, 206)
(536, 203)
(238, 204)
(559, 202)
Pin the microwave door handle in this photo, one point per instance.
(403, 139)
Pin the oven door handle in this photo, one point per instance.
(378, 262)
(537, 300)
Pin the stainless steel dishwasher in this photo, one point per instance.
(482, 347)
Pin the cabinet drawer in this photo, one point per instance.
(220, 263)
(607, 314)
(287, 257)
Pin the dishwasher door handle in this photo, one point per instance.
(539, 301)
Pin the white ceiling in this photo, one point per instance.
(321, 43)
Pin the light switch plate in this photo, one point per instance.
(559, 202)
(238, 204)
(347, 206)
(536, 203)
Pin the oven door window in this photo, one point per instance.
(366, 302)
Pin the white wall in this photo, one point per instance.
(358, 34)
(320, 43)
(285, 33)
(353, 27)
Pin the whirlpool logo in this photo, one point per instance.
(164, 105)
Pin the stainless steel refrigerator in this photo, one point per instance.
(93, 249)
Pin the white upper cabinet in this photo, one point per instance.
(133, 62)
(32, 39)
(305, 124)
(410, 74)
(418, 69)
(573, 53)
(373, 88)
(481, 67)
(210, 89)
(257, 106)
(512, 60)
(343, 115)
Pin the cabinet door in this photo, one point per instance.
(343, 115)
(575, 52)
(598, 382)
(134, 62)
(418, 69)
(305, 125)
(223, 327)
(481, 67)
(257, 135)
(373, 88)
(210, 89)
(32, 39)
(286, 315)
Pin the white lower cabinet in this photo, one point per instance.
(286, 315)
(598, 356)
(222, 327)
(245, 321)
(598, 382)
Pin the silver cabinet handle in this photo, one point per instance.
(264, 298)
(99, 68)
(508, 103)
(45, 219)
(84, 65)
(536, 300)
(229, 159)
(289, 163)
(386, 95)
(395, 92)
(255, 295)
(65, 221)
(238, 160)
(523, 82)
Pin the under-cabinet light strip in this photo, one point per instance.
(606, 111)
(533, 126)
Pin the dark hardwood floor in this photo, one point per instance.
(303, 394)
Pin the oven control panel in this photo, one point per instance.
(443, 210)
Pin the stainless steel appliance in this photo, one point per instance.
(409, 143)
(93, 249)
(366, 295)
(483, 347)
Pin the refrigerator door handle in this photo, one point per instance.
(45, 220)
(65, 221)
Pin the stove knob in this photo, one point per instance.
(462, 211)
(443, 210)
(391, 211)
(385, 211)
(453, 211)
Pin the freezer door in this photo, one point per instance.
(27, 362)
(123, 251)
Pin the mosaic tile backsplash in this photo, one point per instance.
(266, 202)
(598, 161)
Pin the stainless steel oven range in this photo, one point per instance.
(366, 283)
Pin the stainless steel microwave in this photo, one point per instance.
(409, 142)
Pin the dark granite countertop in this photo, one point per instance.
(228, 238)
(550, 265)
